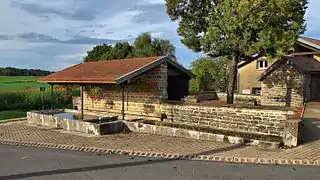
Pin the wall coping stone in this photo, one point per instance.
(185, 133)
(235, 106)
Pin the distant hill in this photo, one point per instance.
(10, 71)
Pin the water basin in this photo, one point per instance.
(74, 116)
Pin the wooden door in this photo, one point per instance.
(315, 87)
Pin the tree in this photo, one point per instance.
(164, 47)
(146, 46)
(241, 30)
(120, 51)
(210, 74)
(143, 46)
(108, 52)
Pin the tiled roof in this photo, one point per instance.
(99, 71)
(314, 43)
(108, 72)
(306, 64)
(311, 40)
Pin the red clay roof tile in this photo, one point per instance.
(311, 40)
(98, 72)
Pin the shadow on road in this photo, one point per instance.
(111, 166)
(310, 130)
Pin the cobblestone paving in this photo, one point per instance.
(23, 132)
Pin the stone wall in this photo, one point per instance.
(259, 121)
(241, 98)
(142, 95)
(283, 87)
(198, 97)
(44, 118)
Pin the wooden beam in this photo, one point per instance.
(123, 102)
(303, 53)
(81, 101)
(52, 97)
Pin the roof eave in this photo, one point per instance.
(139, 71)
(317, 47)
(149, 66)
(180, 67)
(76, 82)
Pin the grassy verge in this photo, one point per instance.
(12, 114)
(20, 83)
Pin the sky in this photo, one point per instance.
(55, 34)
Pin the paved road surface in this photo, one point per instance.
(36, 163)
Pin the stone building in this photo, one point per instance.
(141, 88)
(291, 81)
(248, 73)
(128, 86)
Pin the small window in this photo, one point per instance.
(262, 64)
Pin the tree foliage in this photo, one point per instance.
(210, 74)
(241, 30)
(10, 71)
(143, 46)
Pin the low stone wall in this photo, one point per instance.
(44, 118)
(238, 119)
(185, 133)
(242, 118)
(292, 132)
(198, 97)
(260, 121)
(241, 98)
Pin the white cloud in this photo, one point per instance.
(313, 18)
(86, 22)
(68, 57)
(147, 2)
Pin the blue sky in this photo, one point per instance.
(56, 34)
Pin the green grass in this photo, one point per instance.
(20, 83)
(12, 114)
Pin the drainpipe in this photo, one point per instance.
(122, 102)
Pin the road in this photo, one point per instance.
(51, 164)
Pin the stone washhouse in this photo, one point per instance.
(145, 88)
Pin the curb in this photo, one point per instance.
(15, 119)
(250, 160)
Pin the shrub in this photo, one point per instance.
(32, 100)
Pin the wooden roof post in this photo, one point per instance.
(123, 86)
(52, 102)
(81, 87)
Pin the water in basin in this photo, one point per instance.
(74, 116)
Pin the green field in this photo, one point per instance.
(11, 114)
(16, 84)
(19, 94)
(20, 83)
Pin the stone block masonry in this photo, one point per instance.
(284, 87)
(143, 95)
(241, 98)
(45, 118)
(259, 121)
